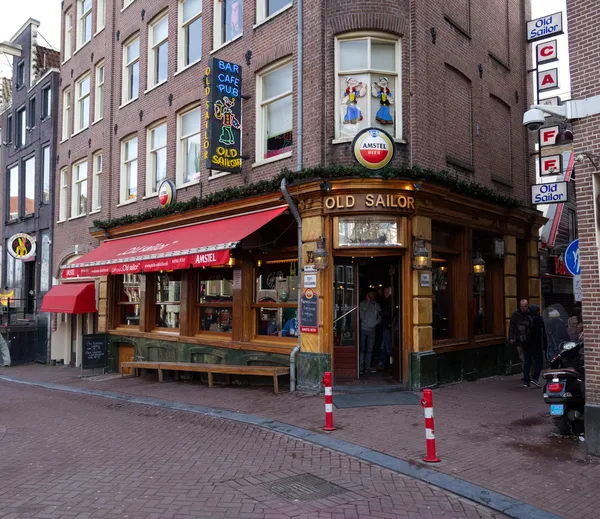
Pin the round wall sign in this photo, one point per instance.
(167, 193)
(21, 246)
(373, 148)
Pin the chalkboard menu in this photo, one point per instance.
(309, 313)
(94, 351)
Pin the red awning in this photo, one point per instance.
(71, 298)
(198, 245)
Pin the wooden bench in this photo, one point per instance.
(210, 369)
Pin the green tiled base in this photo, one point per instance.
(309, 371)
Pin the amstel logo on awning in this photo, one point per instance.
(373, 148)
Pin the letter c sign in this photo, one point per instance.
(547, 52)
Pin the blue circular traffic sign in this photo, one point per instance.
(572, 258)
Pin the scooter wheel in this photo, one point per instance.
(562, 424)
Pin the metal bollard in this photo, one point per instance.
(427, 404)
(327, 382)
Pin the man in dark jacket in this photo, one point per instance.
(533, 349)
(517, 331)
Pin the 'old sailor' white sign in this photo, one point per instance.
(544, 27)
(551, 193)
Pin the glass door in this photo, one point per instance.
(345, 311)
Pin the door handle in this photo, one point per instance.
(342, 316)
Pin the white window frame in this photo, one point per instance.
(100, 15)
(99, 91)
(153, 47)
(261, 10)
(125, 171)
(261, 111)
(66, 114)
(46, 165)
(82, 17)
(46, 102)
(80, 123)
(21, 126)
(27, 184)
(151, 157)
(97, 165)
(64, 191)
(125, 76)
(126, 4)
(13, 172)
(68, 36)
(218, 36)
(180, 155)
(182, 39)
(77, 188)
(398, 98)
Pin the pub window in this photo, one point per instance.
(441, 295)
(267, 8)
(190, 32)
(168, 300)
(487, 287)
(369, 231)
(227, 21)
(128, 306)
(276, 298)
(215, 299)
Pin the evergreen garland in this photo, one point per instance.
(416, 173)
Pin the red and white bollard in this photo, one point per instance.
(427, 404)
(327, 382)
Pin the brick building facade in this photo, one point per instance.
(584, 19)
(456, 75)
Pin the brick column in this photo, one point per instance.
(534, 284)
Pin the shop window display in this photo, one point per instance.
(215, 299)
(129, 300)
(441, 296)
(168, 300)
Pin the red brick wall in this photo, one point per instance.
(584, 45)
(458, 108)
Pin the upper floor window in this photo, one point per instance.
(79, 189)
(68, 37)
(9, 129)
(46, 102)
(127, 3)
(129, 169)
(97, 181)
(82, 105)
(66, 115)
(266, 8)
(13, 193)
(21, 74)
(29, 167)
(21, 126)
(64, 190)
(99, 94)
(100, 15)
(190, 32)
(46, 174)
(32, 113)
(189, 156)
(274, 114)
(131, 69)
(228, 21)
(368, 84)
(158, 51)
(157, 157)
(84, 26)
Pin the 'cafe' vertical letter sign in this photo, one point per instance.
(223, 116)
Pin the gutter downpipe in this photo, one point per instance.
(294, 209)
(299, 165)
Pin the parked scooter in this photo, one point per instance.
(565, 388)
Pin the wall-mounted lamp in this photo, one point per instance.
(325, 186)
(420, 255)
(259, 263)
(320, 255)
(231, 262)
(478, 265)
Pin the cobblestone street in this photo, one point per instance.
(71, 456)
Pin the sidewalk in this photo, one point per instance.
(493, 432)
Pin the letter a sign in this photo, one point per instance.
(547, 79)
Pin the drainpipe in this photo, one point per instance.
(300, 96)
(294, 209)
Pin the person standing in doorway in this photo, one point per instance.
(386, 329)
(4, 353)
(533, 348)
(370, 317)
(519, 328)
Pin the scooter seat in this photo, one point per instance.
(564, 372)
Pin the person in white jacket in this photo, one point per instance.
(370, 317)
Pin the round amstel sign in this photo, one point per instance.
(166, 193)
(21, 246)
(373, 148)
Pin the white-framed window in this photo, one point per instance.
(64, 191)
(100, 15)
(82, 104)
(84, 22)
(129, 169)
(274, 135)
(189, 153)
(131, 69)
(46, 174)
(158, 50)
(66, 114)
(266, 8)
(190, 32)
(99, 93)
(68, 36)
(79, 188)
(29, 167)
(46, 102)
(228, 21)
(97, 181)
(13, 192)
(127, 3)
(156, 161)
(21, 126)
(21, 74)
(368, 84)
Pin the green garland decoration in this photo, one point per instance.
(455, 183)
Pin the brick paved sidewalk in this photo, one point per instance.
(70, 456)
(492, 432)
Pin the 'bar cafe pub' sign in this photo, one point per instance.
(223, 116)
